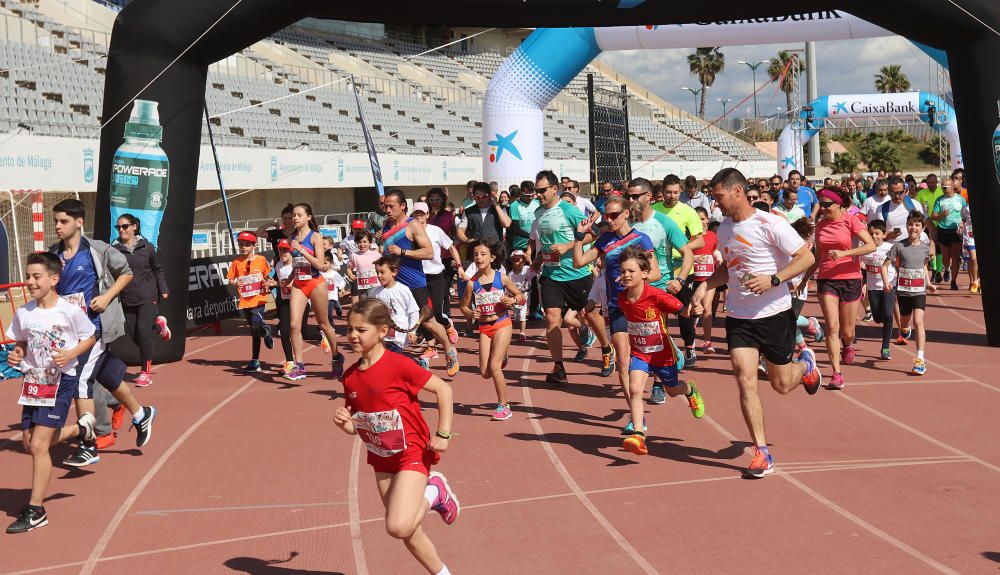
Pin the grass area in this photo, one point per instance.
(908, 151)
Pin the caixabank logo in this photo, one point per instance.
(500, 144)
(871, 108)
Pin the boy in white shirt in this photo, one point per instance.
(521, 274)
(50, 333)
(403, 308)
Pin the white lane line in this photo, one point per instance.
(911, 381)
(937, 365)
(169, 512)
(917, 432)
(572, 484)
(945, 305)
(196, 351)
(357, 545)
(786, 465)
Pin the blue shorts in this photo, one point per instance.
(619, 323)
(100, 365)
(56, 415)
(666, 373)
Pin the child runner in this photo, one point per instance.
(883, 299)
(283, 267)
(799, 288)
(249, 272)
(486, 298)
(382, 408)
(361, 265)
(308, 286)
(403, 309)
(911, 257)
(335, 283)
(522, 276)
(645, 309)
(705, 260)
(969, 244)
(50, 333)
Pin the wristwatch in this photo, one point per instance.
(443, 434)
(775, 280)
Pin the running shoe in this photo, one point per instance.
(974, 288)
(253, 366)
(608, 363)
(581, 354)
(287, 368)
(908, 333)
(452, 334)
(298, 372)
(868, 316)
(337, 365)
(695, 402)
(954, 285)
(886, 354)
(812, 378)
(83, 456)
(105, 441)
(690, 357)
(268, 337)
(588, 337)
(629, 428)
(446, 504)
(522, 338)
(324, 344)
(815, 330)
(117, 417)
(144, 379)
(946, 277)
(502, 412)
(536, 315)
(451, 361)
(707, 348)
(837, 381)
(635, 443)
(424, 363)
(31, 517)
(800, 346)
(87, 424)
(762, 367)
(657, 395)
(900, 340)
(919, 366)
(164, 329)
(762, 464)
(936, 277)
(429, 353)
(558, 376)
(848, 354)
(144, 427)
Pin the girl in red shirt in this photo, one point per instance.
(705, 260)
(382, 408)
(652, 352)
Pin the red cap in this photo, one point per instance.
(284, 245)
(357, 225)
(247, 237)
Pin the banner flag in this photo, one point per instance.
(369, 143)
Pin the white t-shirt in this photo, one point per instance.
(474, 212)
(349, 246)
(439, 241)
(871, 205)
(522, 280)
(761, 245)
(47, 330)
(472, 269)
(403, 310)
(897, 218)
(873, 266)
(586, 206)
(334, 283)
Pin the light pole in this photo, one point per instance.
(694, 92)
(725, 102)
(753, 69)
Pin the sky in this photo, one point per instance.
(843, 67)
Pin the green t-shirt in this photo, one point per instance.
(686, 219)
(524, 215)
(790, 214)
(666, 235)
(954, 205)
(926, 198)
(557, 225)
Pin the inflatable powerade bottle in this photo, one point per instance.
(139, 172)
(996, 146)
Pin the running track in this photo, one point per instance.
(895, 474)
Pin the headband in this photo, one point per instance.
(831, 195)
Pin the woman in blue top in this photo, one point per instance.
(609, 247)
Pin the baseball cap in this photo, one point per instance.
(357, 225)
(247, 237)
(517, 253)
(284, 245)
(420, 207)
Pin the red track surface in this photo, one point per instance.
(894, 474)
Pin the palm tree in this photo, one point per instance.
(778, 67)
(881, 156)
(891, 79)
(706, 63)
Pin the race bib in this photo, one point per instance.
(704, 266)
(489, 302)
(645, 336)
(367, 279)
(382, 431)
(550, 259)
(302, 269)
(250, 285)
(873, 269)
(912, 281)
(77, 299)
(330, 285)
(40, 387)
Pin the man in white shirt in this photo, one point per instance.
(896, 210)
(879, 196)
(761, 253)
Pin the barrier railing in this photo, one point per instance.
(12, 295)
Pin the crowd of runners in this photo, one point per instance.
(615, 270)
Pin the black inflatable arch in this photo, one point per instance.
(149, 34)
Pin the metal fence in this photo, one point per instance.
(15, 212)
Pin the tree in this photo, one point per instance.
(786, 79)
(706, 63)
(844, 163)
(936, 147)
(891, 79)
(880, 156)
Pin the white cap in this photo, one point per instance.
(421, 207)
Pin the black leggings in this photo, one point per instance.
(255, 317)
(140, 323)
(883, 303)
(285, 326)
(437, 286)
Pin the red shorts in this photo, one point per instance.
(491, 329)
(412, 459)
(308, 286)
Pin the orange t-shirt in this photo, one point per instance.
(248, 275)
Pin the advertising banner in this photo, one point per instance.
(210, 297)
(369, 143)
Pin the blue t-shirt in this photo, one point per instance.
(612, 245)
(805, 200)
(411, 271)
(78, 280)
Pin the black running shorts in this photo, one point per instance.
(774, 335)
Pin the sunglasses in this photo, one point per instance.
(123, 226)
(613, 215)
(634, 197)
(540, 189)
(825, 205)
(753, 197)
(775, 184)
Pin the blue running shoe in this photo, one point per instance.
(252, 367)
(658, 395)
(629, 428)
(338, 366)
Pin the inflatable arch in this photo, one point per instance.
(916, 104)
(549, 59)
(161, 49)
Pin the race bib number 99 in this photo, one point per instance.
(40, 387)
(382, 431)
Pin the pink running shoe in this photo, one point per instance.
(837, 381)
(144, 380)
(452, 334)
(707, 348)
(446, 504)
(429, 353)
(847, 355)
(502, 412)
(161, 323)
